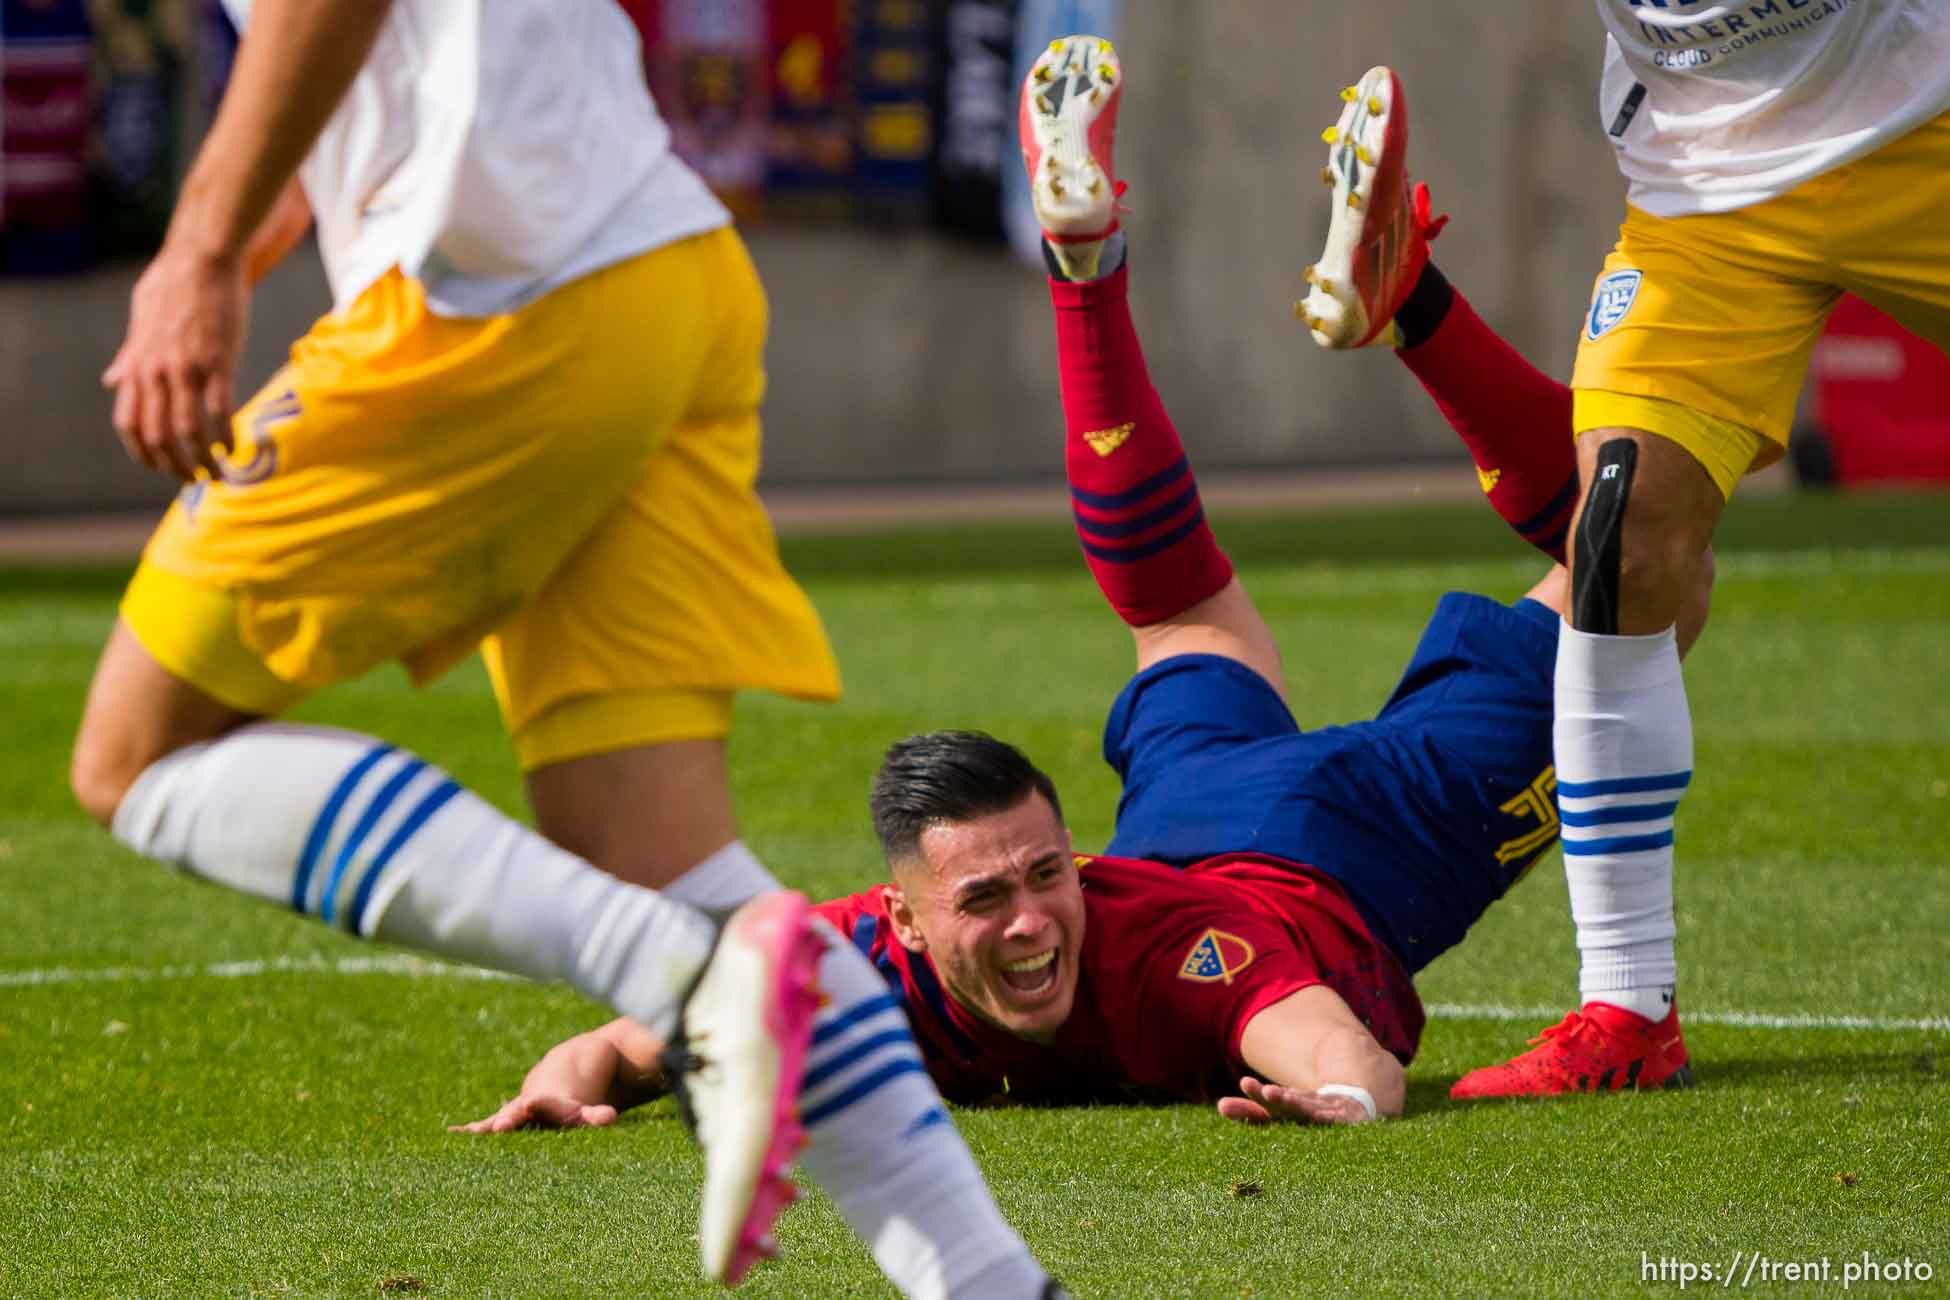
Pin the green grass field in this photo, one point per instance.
(201, 1096)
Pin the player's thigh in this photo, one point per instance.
(1180, 737)
(677, 600)
(1447, 798)
(643, 813)
(1476, 705)
(1700, 329)
(1894, 249)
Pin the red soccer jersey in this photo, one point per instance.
(1174, 965)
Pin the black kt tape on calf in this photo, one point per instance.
(1601, 533)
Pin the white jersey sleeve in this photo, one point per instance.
(494, 150)
(1713, 106)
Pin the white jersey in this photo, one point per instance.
(494, 150)
(1714, 106)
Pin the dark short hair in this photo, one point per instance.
(949, 776)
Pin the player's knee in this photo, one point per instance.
(1692, 619)
(108, 760)
(1636, 555)
(98, 778)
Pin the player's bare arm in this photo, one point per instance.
(1317, 1063)
(583, 1082)
(278, 233)
(172, 376)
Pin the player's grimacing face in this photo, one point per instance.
(998, 906)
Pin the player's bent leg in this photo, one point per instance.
(137, 712)
(1622, 742)
(379, 843)
(1139, 520)
(1374, 283)
(646, 813)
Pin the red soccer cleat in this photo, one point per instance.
(1599, 1049)
(1378, 238)
(1068, 123)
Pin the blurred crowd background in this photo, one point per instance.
(868, 147)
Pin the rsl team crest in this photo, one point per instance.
(1216, 958)
(1610, 301)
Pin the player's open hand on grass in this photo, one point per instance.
(1264, 1103)
(172, 376)
(534, 1111)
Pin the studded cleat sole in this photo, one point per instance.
(1068, 125)
(1376, 243)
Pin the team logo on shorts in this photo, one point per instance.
(1609, 303)
(263, 462)
(1216, 958)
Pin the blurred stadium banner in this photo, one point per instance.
(90, 115)
(874, 111)
(47, 110)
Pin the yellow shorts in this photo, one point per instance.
(570, 486)
(1700, 327)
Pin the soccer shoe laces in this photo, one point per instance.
(1573, 1020)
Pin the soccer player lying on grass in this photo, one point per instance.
(1269, 893)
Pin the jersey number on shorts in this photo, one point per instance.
(1538, 800)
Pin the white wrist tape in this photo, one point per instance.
(1355, 1091)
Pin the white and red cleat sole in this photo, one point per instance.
(1377, 239)
(746, 1030)
(1068, 126)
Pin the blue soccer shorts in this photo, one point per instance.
(1425, 815)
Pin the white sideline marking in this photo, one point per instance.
(426, 968)
(391, 964)
(1739, 1019)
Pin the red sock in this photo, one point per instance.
(1515, 419)
(1132, 493)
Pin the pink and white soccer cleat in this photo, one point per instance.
(735, 1064)
(1068, 123)
(1378, 239)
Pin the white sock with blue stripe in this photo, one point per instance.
(375, 841)
(380, 844)
(1624, 752)
(882, 1145)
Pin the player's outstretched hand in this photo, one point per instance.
(530, 1111)
(1265, 1103)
